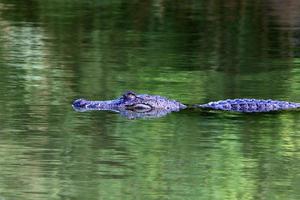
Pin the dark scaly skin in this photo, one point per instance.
(131, 101)
(250, 105)
(139, 105)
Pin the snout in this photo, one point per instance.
(79, 103)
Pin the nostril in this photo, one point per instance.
(79, 103)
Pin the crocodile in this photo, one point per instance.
(134, 105)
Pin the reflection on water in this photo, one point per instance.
(132, 114)
(52, 52)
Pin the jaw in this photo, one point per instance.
(82, 104)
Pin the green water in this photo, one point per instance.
(52, 52)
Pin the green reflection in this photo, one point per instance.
(52, 52)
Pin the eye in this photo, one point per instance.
(129, 96)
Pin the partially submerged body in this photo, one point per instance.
(144, 105)
(133, 105)
(250, 105)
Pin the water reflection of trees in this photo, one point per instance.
(88, 48)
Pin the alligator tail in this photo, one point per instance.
(249, 105)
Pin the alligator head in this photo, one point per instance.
(131, 103)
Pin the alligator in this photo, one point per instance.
(132, 105)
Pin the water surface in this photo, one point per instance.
(52, 52)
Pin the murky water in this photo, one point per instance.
(52, 52)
